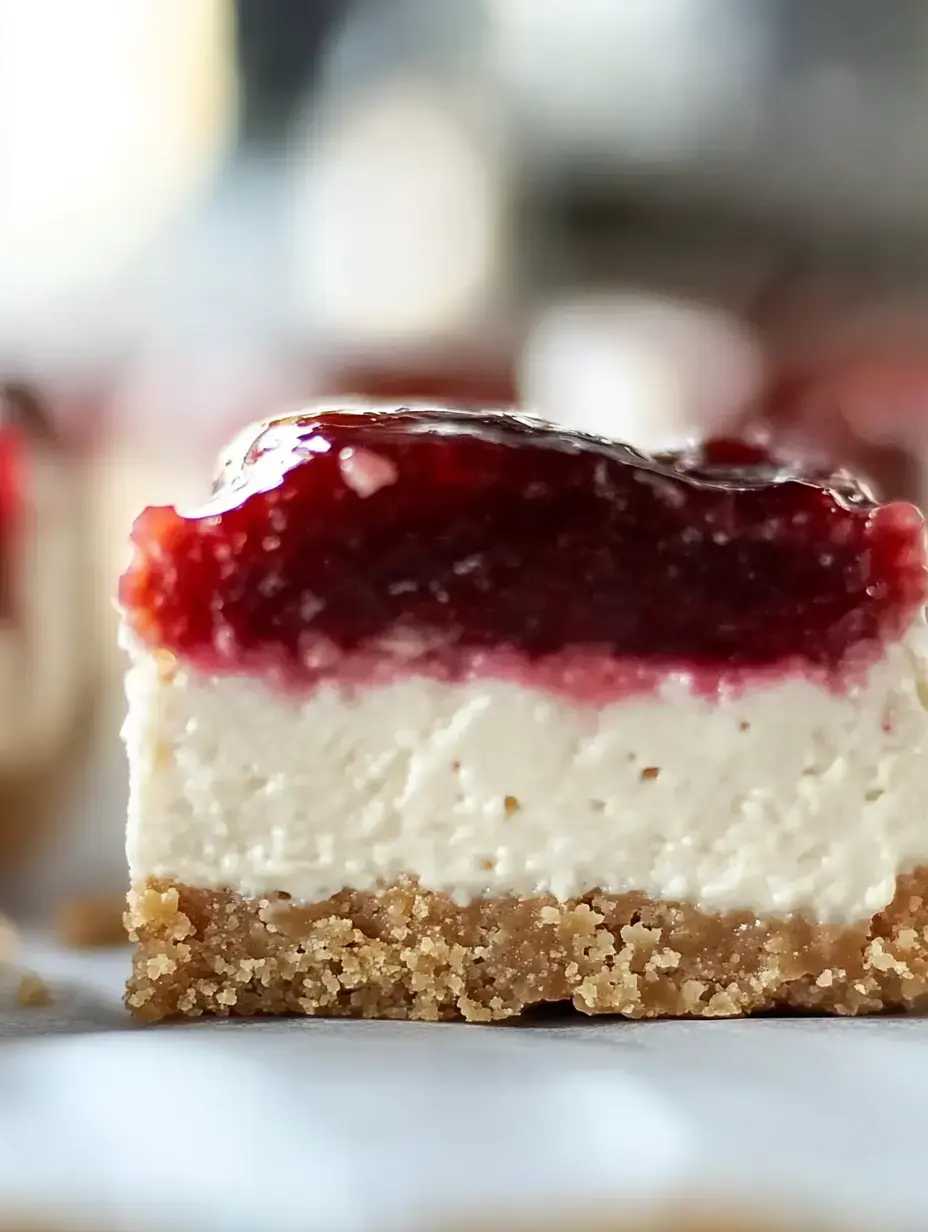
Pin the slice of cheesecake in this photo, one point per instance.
(42, 675)
(437, 715)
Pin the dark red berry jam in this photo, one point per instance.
(476, 533)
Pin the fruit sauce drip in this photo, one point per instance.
(440, 539)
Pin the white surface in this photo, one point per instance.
(314, 1125)
(786, 797)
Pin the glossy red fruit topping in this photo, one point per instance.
(466, 532)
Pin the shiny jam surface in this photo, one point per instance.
(433, 538)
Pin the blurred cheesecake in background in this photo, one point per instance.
(849, 381)
(43, 579)
(117, 124)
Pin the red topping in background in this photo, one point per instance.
(11, 475)
(826, 415)
(25, 425)
(849, 377)
(460, 533)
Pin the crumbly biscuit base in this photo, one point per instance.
(408, 952)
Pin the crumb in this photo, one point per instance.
(33, 991)
(92, 923)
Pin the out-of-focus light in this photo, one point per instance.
(398, 212)
(202, 399)
(641, 78)
(649, 371)
(112, 117)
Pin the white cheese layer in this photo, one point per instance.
(787, 798)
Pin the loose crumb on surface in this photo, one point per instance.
(32, 990)
(92, 922)
(407, 952)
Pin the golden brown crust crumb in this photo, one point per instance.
(412, 953)
(33, 991)
(92, 923)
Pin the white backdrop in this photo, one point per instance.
(330, 1126)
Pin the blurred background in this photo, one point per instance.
(650, 219)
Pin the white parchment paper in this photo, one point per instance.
(324, 1125)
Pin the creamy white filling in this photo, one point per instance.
(786, 798)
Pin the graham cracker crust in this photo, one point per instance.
(407, 952)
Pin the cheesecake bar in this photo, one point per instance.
(41, 674)
(442, 715)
